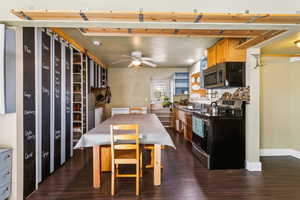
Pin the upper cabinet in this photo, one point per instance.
(212, 56)
(225, 51)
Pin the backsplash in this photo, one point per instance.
(216, 94)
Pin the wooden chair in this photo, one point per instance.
(150, 147)
(136, 110)
(125, 152)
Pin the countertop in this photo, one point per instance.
(210, 115)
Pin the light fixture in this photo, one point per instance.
(136, 62)
(190, 60)
(96, 43)
(297, 43)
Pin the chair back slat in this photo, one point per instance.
(125, 137)
(125, 127)
(125, 149)
(135, 110)
(126, 141)
(124, 146)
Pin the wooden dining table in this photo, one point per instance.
(151, 132)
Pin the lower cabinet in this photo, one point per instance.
(188, 134)
(5, 172)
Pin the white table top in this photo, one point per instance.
(151, 131)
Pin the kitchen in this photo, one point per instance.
(203, 105)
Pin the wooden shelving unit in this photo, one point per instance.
(77, 87)
(84, 94)
(103, 77)
(180, 83)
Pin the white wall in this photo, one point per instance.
(280, 110)
(131, 87)
(8, 137)
(253, 112)
(255, 6)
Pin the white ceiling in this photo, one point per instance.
(166, 51)
(284, 46)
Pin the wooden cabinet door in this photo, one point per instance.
(234, 54)
(222, 48)
(211, 56)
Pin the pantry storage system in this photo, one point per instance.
(56, 87)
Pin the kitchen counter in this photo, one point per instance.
(210, 115)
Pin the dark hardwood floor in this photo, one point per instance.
(183, 178)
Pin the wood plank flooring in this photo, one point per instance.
(183, 178)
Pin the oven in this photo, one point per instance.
(200, 140)
(200, 133)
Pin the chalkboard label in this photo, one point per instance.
(57, 104)
(46, 104)
(29, 110)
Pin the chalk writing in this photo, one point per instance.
(46, 90)
(29, 112)
(27, 49)
(45, 154)
(27, 95)
(28, 155)
(46, 67)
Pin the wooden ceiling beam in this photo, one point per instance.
(258, 39)
(160, 16)
(280, 55)
(174, 32)
(83, 16)
(146, 25)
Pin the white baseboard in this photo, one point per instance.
(280, 152)
(295, 153)
(253, 166)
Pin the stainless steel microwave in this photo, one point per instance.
(223, 75)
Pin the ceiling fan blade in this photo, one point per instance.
(149, 63)
(120, 61)
(147, 59)
(127, 56)
(131, 65)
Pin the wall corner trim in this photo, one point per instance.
(254, 166)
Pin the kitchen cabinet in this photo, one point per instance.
(5, 172)
(212, 56)
(225, 51)
(221, 50)
(188, 134)
(98, 76)
(184, 121)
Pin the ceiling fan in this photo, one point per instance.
(136, 60)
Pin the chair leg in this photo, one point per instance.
(113, 180)
(151, 165)
(141, 165)
(137, 179)
(117, 169)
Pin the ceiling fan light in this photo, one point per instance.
(297, 43)
(136, 62)
(96, 43)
